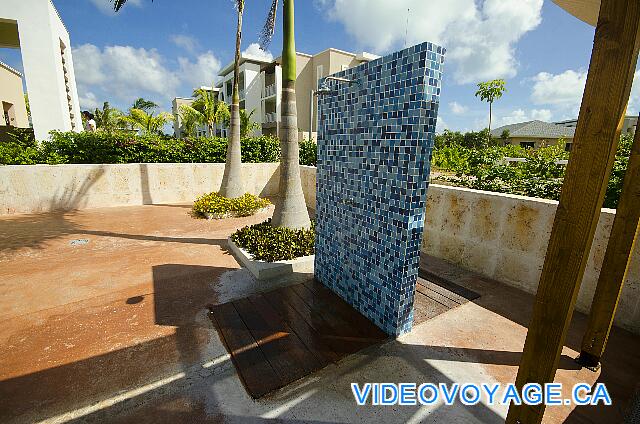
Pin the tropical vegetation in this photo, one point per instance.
(213, 205)
(539, 175)
(128, 147)
(269, 243)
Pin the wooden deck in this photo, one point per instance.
(278, 337)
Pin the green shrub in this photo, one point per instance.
(308, 153)
(125, 147)
(267, 243)
(220, 207)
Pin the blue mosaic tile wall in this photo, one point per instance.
(375, 137)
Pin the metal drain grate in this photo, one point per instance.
(78, 242)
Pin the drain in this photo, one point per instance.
(78, 242)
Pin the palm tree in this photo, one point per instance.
(291, 210)
(232, 184)
(212, 110)
(108, 119)
(490, 91)
(190, 118)
(246, 123)
(147, 122)
(146, 105)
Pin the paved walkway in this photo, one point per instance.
(104, 319)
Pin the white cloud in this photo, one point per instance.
(204, 71)
(560, 90)
(480, 36)
(441, 125)
(457, 108)
(185, 42)
(520, 115)
(88, 100)
(124, 71)
(121, 74)
(106, 6)
(255, 51)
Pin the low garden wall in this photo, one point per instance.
(44, 188)
(502, 236)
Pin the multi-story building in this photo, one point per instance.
(14, 111)
(201, 130)
(34, 27)
(249, 85)
(260, 86)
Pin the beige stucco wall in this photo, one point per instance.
(499, 235)
(11, 92)
(505, 237)
(538, 141)
(42, 188)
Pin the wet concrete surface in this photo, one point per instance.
(115, 330)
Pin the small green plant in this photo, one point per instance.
(270, 244)
(308, 153)
(216, 206)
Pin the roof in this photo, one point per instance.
(585, 10)
(243, 58)
(10, 69)
(535, 129)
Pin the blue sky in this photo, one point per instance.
(163, 49)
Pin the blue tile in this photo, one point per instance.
(374, 146)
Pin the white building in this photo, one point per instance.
(261, 86)
(201, 130)
(250, 86)
(34, 27)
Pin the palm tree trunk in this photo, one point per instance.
(232, 184)
(489, 134)
(291, 209)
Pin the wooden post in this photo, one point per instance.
(609, 80)
(621, 243)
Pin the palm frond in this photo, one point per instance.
(117, 4)
(269, 26)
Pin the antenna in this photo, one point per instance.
(406, 30)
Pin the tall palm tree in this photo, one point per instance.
(212, 110)
(232, 184)
(291, 210)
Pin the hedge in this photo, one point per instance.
(123, 147)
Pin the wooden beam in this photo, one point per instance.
(615, 265)
(613, 61)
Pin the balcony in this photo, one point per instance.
(270, 117)
(269, 91)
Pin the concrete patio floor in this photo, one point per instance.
(104, 319)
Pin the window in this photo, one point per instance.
(567, 147)
(527, 144)
(319, 73)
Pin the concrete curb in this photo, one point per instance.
(262, 270)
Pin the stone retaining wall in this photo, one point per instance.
(500, 235)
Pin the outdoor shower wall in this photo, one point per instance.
(374, 146)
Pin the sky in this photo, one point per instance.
(162, 49)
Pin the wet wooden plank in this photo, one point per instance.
(326, 330)
(346, 330)
(437, 297)
(442, 281)
(253, 368)
(277, 346)
(299, 351)
(328, 299)
(305, 332)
